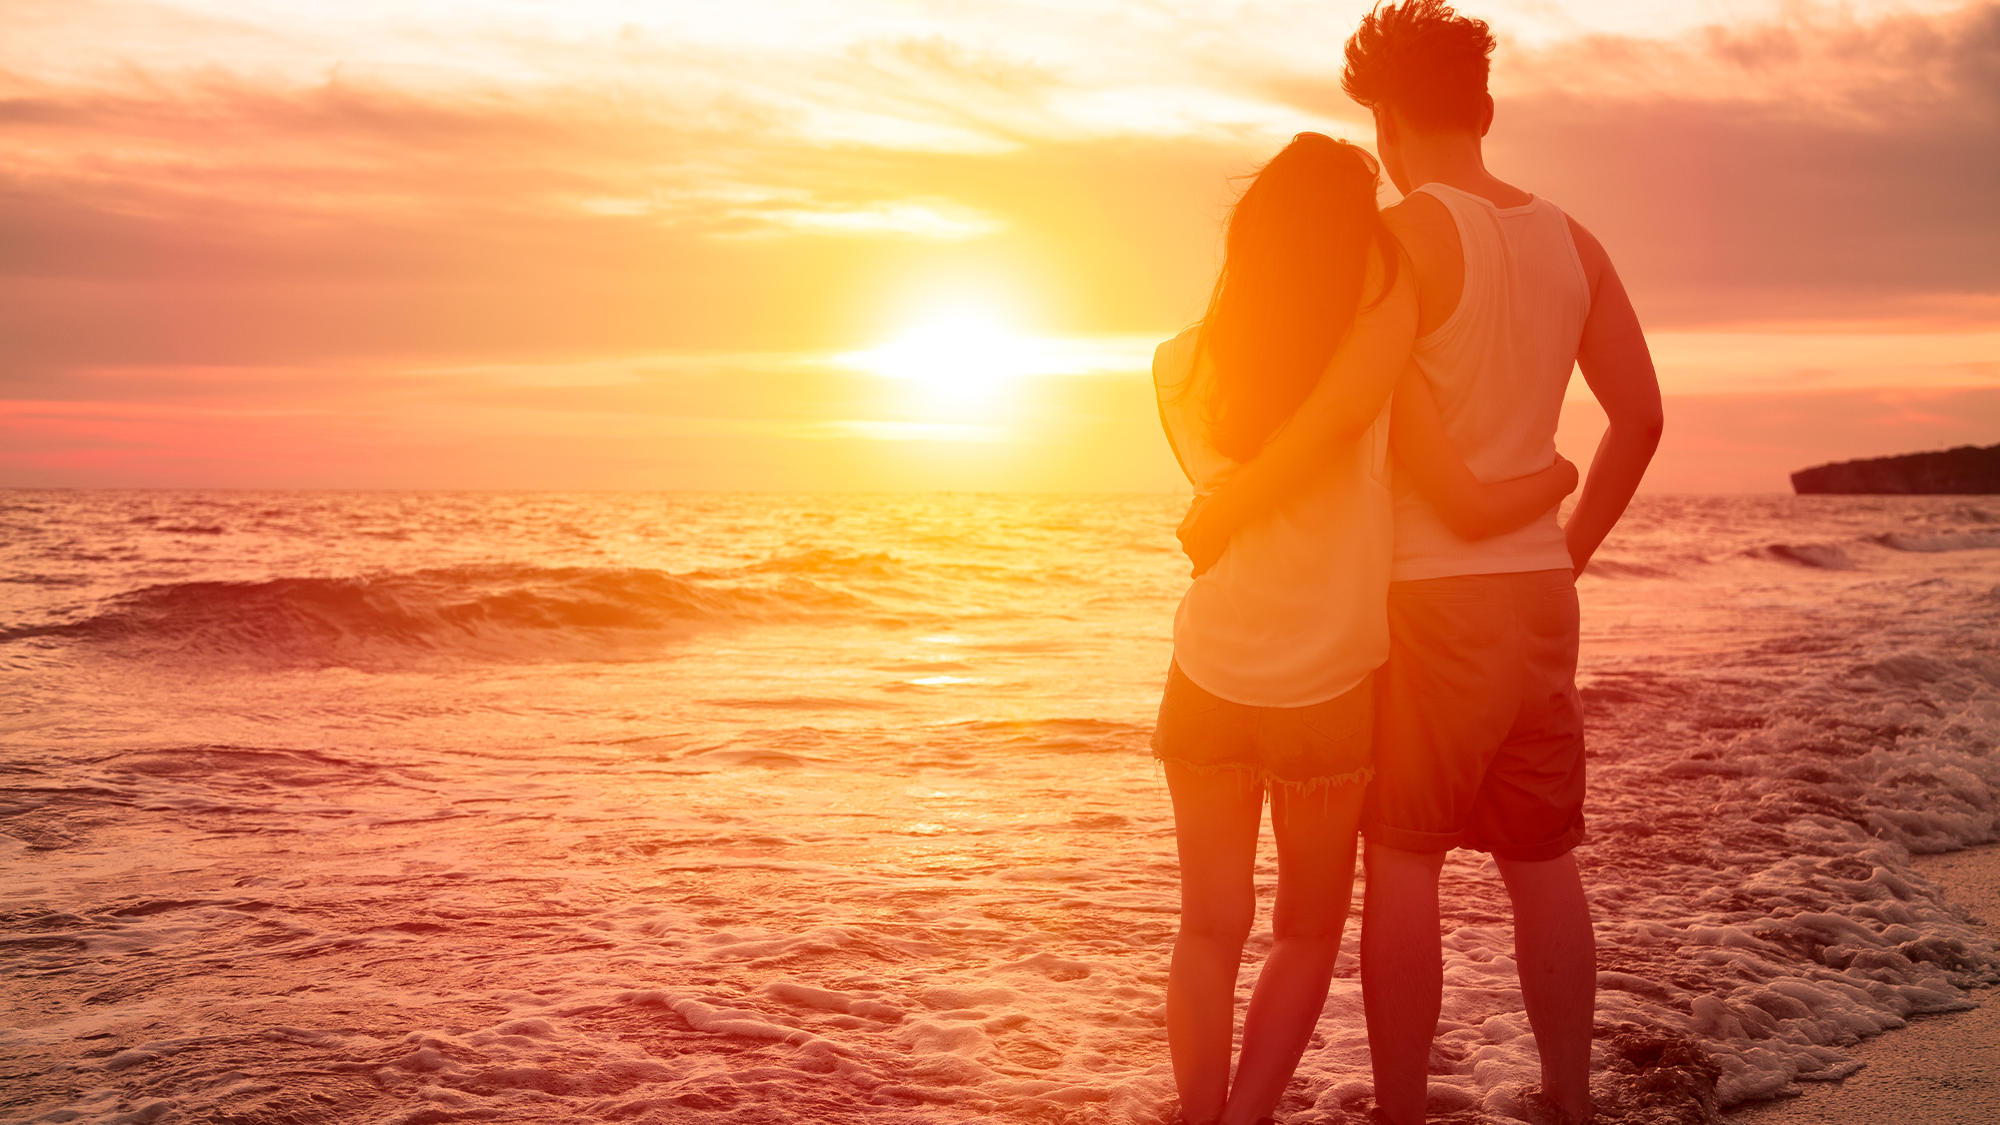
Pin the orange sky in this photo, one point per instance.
(623, 244)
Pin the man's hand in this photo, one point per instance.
(1202, 541)
(1570, 477)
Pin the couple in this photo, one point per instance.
(1389, 654)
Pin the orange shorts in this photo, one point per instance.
(1478, 728)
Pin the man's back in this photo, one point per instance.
(1498, 361)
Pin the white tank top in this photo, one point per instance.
(1296, 612)
(1499, 366)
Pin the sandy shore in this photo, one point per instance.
(1940, 1070)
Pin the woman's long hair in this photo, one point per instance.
(1292, 271)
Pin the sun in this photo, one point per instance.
(959, 361)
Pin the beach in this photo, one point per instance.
(733, 808)
(1943, 1068)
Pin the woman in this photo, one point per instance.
(1312, 318)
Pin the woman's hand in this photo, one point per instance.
(1471, 509)
(1202, 540)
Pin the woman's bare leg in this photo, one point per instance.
(1316, 843)
(1216, 818)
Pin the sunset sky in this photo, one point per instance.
(787, 244)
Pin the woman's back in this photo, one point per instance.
(1275, 645)
(1294, 614)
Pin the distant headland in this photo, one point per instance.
(1966, 470)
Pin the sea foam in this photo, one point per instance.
(890, 847)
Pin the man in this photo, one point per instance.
(1479, 736)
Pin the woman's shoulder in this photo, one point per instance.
(1179, 345)
(1180, 411)
(1173, 361)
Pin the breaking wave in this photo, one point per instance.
(500, 611)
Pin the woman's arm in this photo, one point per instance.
(1470, 509)
(1350, 396)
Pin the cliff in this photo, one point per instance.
(1965, 470)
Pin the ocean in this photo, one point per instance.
(723, 808)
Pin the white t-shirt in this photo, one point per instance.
(1499, 366)
(1295, 613)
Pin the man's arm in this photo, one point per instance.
(1349, 397)
(1615, 362)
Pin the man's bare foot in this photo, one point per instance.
(1543, 1111)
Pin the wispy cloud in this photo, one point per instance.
(904, 431)
(935, 220)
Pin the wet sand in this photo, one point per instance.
(1940, 1070)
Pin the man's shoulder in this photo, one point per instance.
(1590, 253)
(1427, 231)
(1429, 235)
(1420, 213)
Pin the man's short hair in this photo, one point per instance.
(1423, 60)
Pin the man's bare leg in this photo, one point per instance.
(1316, 844)
(1557, 954)
(1216, 818)
(1402, 976)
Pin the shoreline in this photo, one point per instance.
(1940, 1069)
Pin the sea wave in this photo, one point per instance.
(1819, 556)
(1958, 541)
(1618, 568)
(502, 611)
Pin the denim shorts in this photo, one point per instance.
(1329, 743)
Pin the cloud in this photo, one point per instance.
(932, 220)
(951, 432)
(1810, 165)
(1786, 172)
(1754, 442)
(226, 222)
(1792, 362)
(345, 227)
(571, 182)
(1814, 60)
